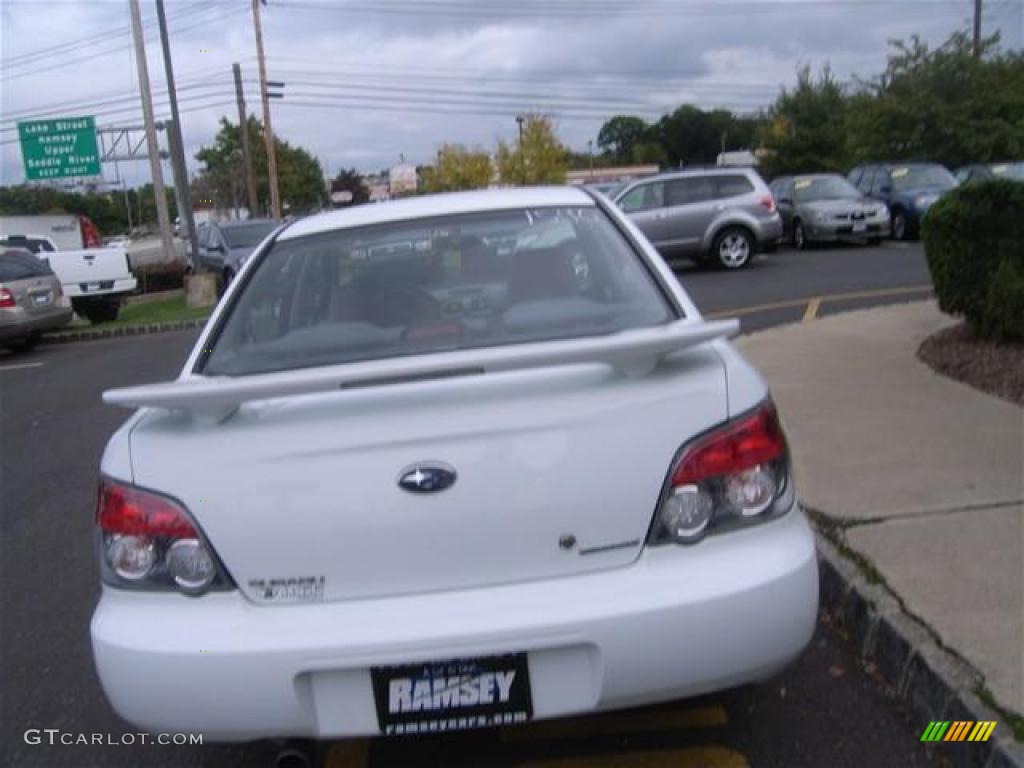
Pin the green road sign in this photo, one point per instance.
(55, 149)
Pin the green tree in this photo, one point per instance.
(806, 128)
(539, 159)
(689, 135)
(350, 180)
(944, 105)
(620, 135)
(300, 178)
(459, 168)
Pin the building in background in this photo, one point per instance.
(402, 180)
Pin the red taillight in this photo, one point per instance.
(756, 439)
(148, 541)
(133, 512)
(6, 298)
(768, 202)
(90, 235)
(736, 475)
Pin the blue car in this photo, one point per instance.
(909, 189)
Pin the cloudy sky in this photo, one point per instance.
(369, 81)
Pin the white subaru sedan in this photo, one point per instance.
(449, 462)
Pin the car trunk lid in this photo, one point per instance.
(558, 471)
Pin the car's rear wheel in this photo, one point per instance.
(97, 311)
(24, 344)
(899, 225)
(734, 248)
(799, 235)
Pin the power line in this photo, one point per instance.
(70, 45)
(223, 14)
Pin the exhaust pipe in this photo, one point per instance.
(297, 753)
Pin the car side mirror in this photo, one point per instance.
(786, 200)
(219, 247)
(885, 189)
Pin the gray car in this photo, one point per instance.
(31, 300)
(711, 215)
(825, 207)
(224, 247)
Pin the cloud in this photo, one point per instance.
(365, 87)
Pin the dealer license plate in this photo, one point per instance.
(41, 299)
(452, 695)
(860, 226)
(92, 286)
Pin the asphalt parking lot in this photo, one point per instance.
(824, 710)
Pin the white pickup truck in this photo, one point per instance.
(96, 279)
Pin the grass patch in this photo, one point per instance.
(833, 530)
(1014, 721)
(165, 311)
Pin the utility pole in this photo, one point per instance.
(268, 131)
(243, 127)
(177, 146)
(162, 217)
(977, 29)
(522, 155)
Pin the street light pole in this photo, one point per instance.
(522, 156)
(590, 152)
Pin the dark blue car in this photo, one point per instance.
(909, 189)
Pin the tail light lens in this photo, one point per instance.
(148, 541)
(90, 235)
(768, 202)
(733, 476)
(6, 298)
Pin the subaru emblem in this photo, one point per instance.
(427, 477)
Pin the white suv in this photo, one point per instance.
(447, 462)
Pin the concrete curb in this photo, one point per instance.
(95, 334)
(932, 682)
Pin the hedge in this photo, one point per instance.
(974, 241)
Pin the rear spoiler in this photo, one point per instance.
(633, 353)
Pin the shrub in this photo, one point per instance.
(974, 241)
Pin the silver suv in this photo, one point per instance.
(720, 215)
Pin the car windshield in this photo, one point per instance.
(1008, 171)
(918, 176)
(247, 235)
(823, 188)
(433, 285)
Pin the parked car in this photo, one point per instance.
(909, 189)
(1013, 171)
(224, 246)
(824, 207)
(31, 300)
(440, 487)
(722, 216)
(607, 188)
(95, 279)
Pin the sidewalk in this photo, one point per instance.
(924, 475)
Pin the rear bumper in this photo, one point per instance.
(678, 622)
(107, 289)
(769, 233)
(16, 323)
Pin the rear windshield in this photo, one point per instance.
(21, 265)
(247, 235)
(432, 285)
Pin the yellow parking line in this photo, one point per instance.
(691, 757)
(812, 310)
(633, 722)
(348, 754)
(850, 296)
